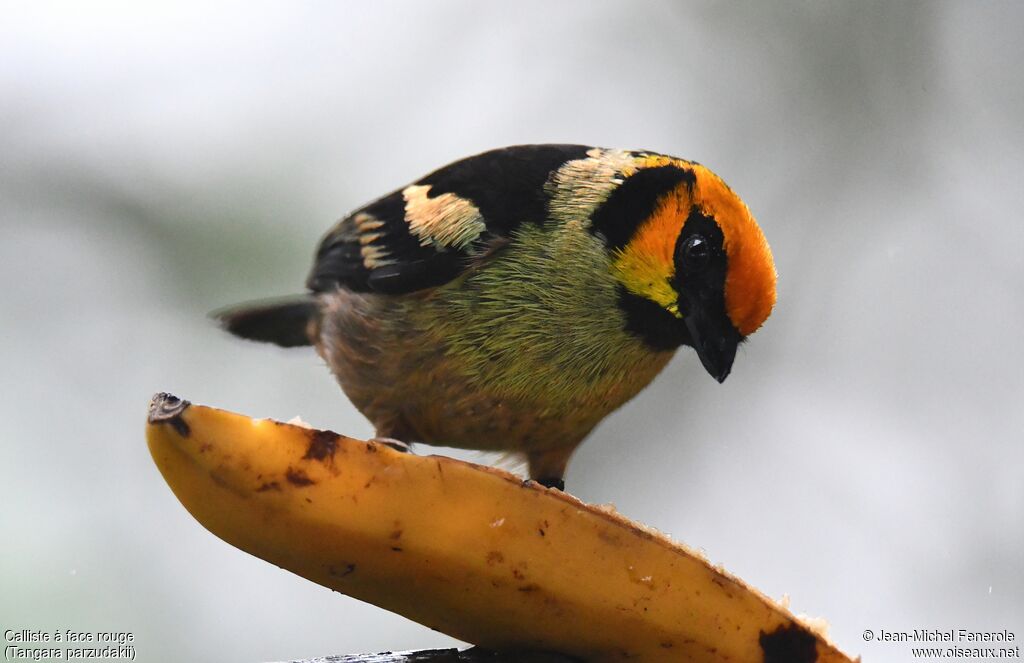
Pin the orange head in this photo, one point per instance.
(701, 258)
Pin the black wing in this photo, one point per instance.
(427, 233)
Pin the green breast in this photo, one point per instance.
(541, 321)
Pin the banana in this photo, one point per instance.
(467, 550)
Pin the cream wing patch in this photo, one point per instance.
(580, 186)
(373, 255)
(445, 221)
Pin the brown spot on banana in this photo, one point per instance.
(298, 478)
(322, 445)
(789, 644)
(341, 572)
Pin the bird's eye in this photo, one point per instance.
(696, 254)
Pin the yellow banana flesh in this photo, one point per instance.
(470, 551)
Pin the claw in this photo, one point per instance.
(397, 445)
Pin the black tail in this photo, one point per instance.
(281, 321)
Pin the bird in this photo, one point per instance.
(511, 300)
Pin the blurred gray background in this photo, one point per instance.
(159, 161)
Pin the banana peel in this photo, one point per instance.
(468, 550)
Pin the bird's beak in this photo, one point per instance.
(714, 338)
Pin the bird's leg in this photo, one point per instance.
(548, 467)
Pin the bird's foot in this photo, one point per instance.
(397, 445)
(553, 482)
(547, 467)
